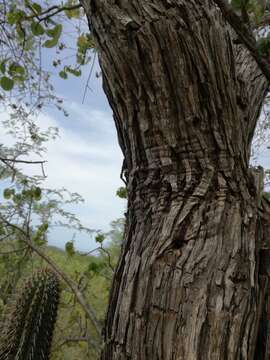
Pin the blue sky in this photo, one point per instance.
(86, 157)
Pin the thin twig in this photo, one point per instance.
(4, 160)
(50, 12)
(89, 77)
(71, 284)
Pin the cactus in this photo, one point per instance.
(28, 328)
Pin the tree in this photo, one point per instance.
(28, 211)
(186, 81)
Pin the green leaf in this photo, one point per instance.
(55, 34)
(122, 192)
(37, 29)
(85, 42)
(16, 69)
(37, 8)
(100, 238)
(7, 194)
(15, 17)
(6, 83)
(50, 43)
(37, 193)
(75, 72)
(63, 74)
(43, 228)
(70, 250)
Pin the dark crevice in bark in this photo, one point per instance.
(262, 344)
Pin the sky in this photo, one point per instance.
(86, 158)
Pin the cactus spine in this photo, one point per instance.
(28, 328)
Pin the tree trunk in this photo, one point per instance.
(185, 101)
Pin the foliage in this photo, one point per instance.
(74, 335)
(28, 328)
(122, 192)
(28, 211)
(28, 29)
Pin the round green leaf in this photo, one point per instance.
(7, 193)
(37, 8)
(63, 74)
(122, 192)
(37, 29)
(6, 83)
(100, 238)
(37, 193)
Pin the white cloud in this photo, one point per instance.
(86, 159)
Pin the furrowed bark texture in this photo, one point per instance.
(185, 101)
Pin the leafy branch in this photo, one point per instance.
(50, 12)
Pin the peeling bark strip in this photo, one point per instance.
(185, 101)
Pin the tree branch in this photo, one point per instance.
(71, 284)
(50, 12)
(8, 161)
(4, 160)
(245, 35)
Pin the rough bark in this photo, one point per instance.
(185, 101)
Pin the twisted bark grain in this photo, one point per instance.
(185, 101)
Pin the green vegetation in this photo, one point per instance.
(28, 210)
(29, 323)
(74, 337)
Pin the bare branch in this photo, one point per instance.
(5, 160)
(52, 11)
(8, 163)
